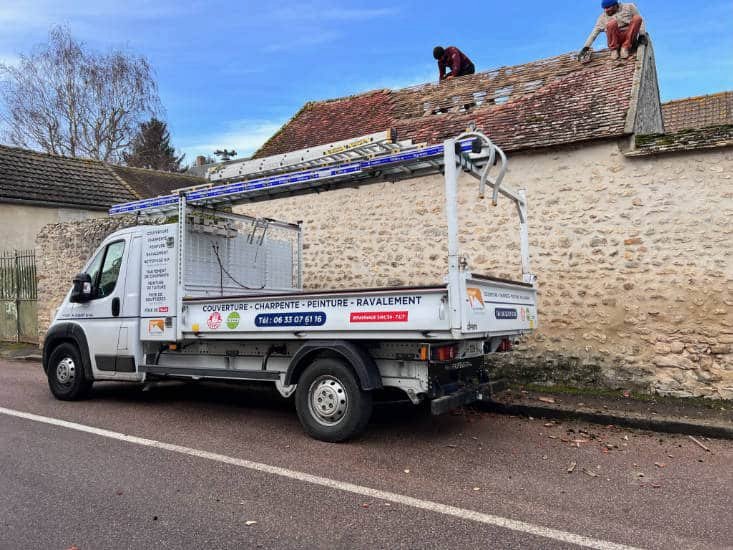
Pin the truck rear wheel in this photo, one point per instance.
(330, 403)
(66, 377)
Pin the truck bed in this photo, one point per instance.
(491, 306)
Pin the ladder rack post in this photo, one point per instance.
(527, 275)
(180, 262)
(451, 212)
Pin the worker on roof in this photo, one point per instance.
(622, 24)
(454, 58)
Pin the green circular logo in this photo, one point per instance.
(233, 320)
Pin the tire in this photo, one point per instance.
(330, 402)
(66, 377)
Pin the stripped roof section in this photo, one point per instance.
(698, 112)
(332, 120)
(51, 180)
(538, 104)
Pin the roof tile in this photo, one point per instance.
(547, 102)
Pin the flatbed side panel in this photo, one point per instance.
(373, 311)
(498, 307)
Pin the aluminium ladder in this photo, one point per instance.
(371, 159)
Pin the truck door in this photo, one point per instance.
(101, 315)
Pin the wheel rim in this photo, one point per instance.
(66, 371)
(327, 400)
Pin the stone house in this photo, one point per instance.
(39, 195)
(629, 225)
(37, 189)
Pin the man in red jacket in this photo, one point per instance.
(454, 58)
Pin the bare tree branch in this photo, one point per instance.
(67, 100)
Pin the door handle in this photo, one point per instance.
(115, 307)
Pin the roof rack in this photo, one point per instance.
(371, 159)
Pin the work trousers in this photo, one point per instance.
(623, 37)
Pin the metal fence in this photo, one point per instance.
(18, 296)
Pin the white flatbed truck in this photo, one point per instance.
(213, 295)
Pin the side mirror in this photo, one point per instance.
(82, 291)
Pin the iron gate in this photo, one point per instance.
(18, 296)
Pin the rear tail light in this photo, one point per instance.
(506, 345)
(443, 353)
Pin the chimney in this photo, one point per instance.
(200, 160)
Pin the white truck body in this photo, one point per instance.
(160, 301)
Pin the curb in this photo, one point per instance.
(31, 357)
(674, 425)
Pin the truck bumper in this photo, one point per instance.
(447, 403)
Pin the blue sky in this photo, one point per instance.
(231, 73)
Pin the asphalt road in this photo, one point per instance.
(218, 466)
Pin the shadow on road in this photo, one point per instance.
(391, 417)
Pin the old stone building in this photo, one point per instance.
(40, 195)
(37, 189)
(629, 225)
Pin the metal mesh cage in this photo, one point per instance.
(227, 255)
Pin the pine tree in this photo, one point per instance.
(151, 148)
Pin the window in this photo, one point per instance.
(109, 260)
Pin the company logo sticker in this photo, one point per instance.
(214, 320)
(156, 327)
(475, 298)
(505, 314)
(233, 320)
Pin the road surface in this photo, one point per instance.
(220, 466)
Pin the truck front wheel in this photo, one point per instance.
(66, 377)
(330, 403)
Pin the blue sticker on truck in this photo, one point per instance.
(310, 319)
(505, 313)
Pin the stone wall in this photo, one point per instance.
(633, 257)
(62, 249)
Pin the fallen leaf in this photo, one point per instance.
(250, 522)
(590, 473)
(365, 505)
(572, 466)
(477, 488)
(546, 399)
(451, 446)
(660, 464)
(549, 425)
(407, 471)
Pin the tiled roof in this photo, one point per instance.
(547, 102)
(710, 137)
(152, 183)
(82, 183)
(698, 112)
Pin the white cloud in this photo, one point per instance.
(294, 42)
(245, 136)
(9, 59)
(315, 12)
